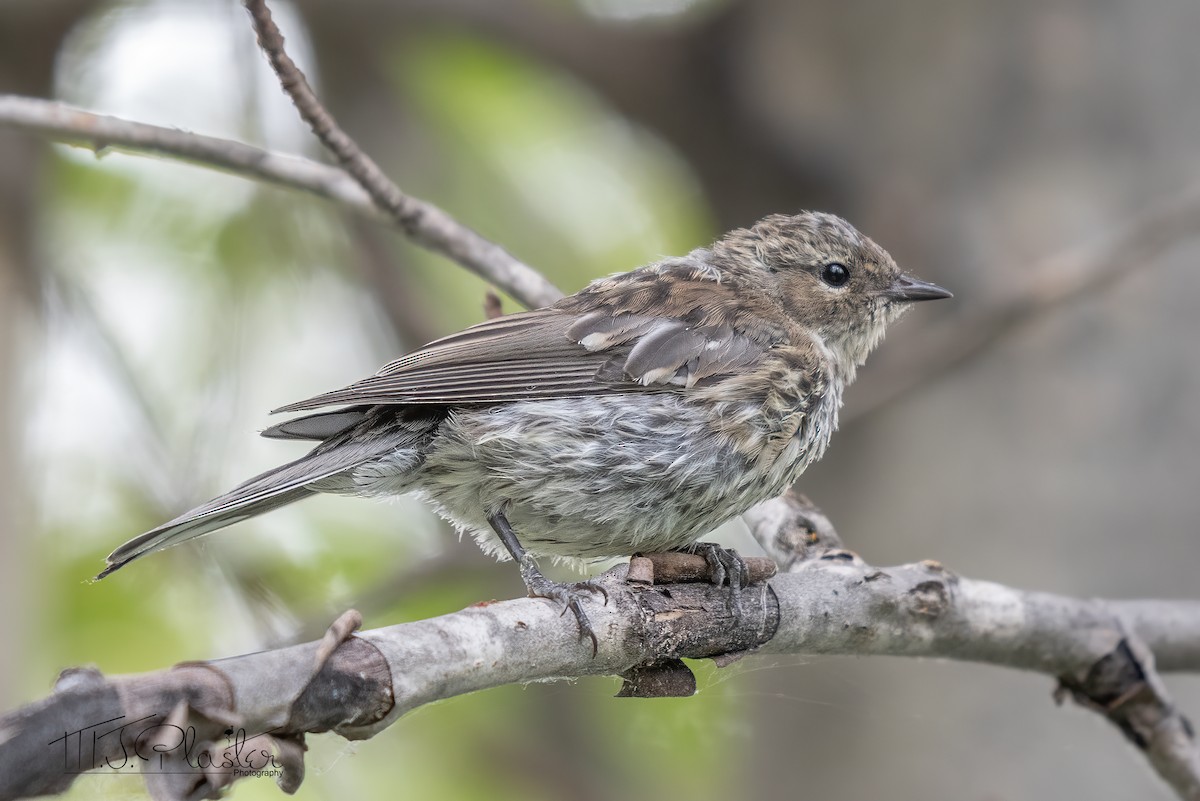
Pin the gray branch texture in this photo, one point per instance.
(194, 728)
(1106, 655)
(176, 724)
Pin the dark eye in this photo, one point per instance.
(835, 274)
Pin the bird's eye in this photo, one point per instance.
(835, 274)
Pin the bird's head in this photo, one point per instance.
(827, 277)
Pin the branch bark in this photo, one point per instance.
(1105, 654)
(429, 226)
(419, 220)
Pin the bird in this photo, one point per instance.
(634, 416)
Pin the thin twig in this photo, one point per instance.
(492, 306)
(930, 355)
(422, 222)
(436, 230)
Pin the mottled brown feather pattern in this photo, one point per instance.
(637, 414)
(666, 334)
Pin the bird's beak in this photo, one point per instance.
(909, 289)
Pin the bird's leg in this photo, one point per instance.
(539, 586)
(724, 564)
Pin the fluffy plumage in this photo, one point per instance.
(635, 415)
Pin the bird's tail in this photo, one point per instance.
(274, 488)
(218, 513)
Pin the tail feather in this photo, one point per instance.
(195, 523)
(270, 490)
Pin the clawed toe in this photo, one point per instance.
(570, 596)
(591, 585)
(725, 565)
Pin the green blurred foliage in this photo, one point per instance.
(200, 291)
(534, 160)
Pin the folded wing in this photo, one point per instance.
(552, 353)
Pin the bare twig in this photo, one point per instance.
(422, 222)
(1132, 247)
(934, 353)
(101, 133)
(434, 228)
(1105, 654)
(492, 306)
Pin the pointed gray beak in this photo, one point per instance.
(909, 289)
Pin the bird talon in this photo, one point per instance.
(581, 618)
(725, 564)
(596, 587)
(539, 586)
(570, 597)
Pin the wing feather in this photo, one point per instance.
(552, 353)
(658, 355)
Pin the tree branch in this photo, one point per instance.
(430, 226)
(1105, 654)
(1076, 273)
(420, 221)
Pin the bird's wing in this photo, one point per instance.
(553, 353)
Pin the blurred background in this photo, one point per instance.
(151, 312)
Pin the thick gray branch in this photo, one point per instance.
(1103, 653)
(923, 609)
(429, 226)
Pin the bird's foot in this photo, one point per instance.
(568, 594)
(725, 565)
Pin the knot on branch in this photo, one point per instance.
(932, 598)
(697, 621)
(682, 613)
(667, 678)
(188, 760)
(929, 599)
(196, 728)
(1122, 686)
(791, 529)
(78, 678)
(206, 744)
